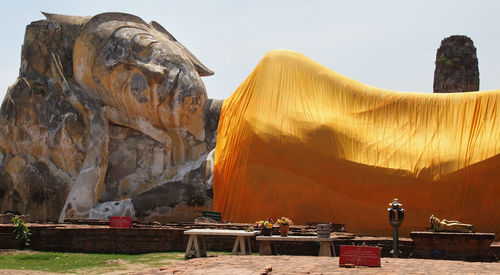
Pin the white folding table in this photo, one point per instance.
(196, 245)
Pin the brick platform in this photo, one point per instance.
(453, 246)
(169, 237)
(102, 238)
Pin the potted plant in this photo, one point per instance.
(284, 224)
(266, 226)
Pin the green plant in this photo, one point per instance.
(443, 60)
(22, 233)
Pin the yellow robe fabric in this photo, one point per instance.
(297, 139)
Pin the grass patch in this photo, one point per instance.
(84, 262)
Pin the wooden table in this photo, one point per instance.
(325, 248)
(196, 244)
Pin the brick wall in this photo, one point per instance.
(111, 240)
(161, 238)
(142, 239)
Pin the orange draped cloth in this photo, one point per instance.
(297, 139)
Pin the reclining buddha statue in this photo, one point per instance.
(438, 225)
(106, 118)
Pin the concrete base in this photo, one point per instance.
(453, 246)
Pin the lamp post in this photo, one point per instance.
(396, 217)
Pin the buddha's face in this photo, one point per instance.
(141, 71)
(434, 220)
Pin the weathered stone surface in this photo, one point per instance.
(211, 113)
(107, 117)
(456, 66)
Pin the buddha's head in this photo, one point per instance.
(139, 69)
(434, 220)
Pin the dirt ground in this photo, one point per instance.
(319, 265)
(296, 265)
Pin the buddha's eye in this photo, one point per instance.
(143, 44)
(138, 86)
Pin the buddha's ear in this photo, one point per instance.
(200, 68)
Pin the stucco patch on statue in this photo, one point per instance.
(105, 210)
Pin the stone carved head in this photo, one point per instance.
(105, 107)
(137, 76)
(139, 69)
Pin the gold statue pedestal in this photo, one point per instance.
(453, 246)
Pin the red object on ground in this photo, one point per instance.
(359, 255)
(120, 222)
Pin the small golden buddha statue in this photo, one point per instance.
(444, 225)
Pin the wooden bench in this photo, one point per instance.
(266, 248)
(196, 245)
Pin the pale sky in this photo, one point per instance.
(387, 44)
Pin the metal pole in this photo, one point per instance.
(395, 251)
(396, 217)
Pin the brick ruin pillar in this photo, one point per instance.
(456, 66)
